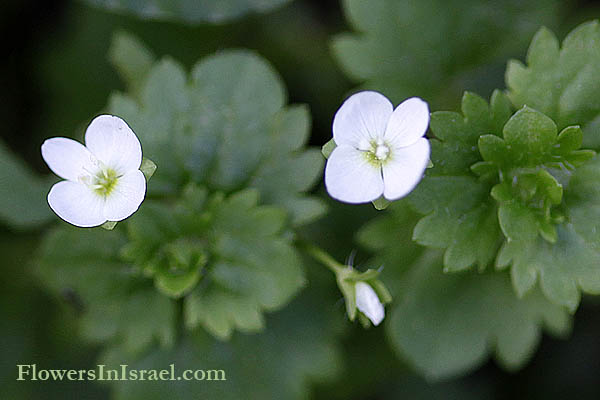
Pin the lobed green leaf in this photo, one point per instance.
(561, 81)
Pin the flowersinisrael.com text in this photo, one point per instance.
(31, 372)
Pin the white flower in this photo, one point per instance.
(103, 179)
(368, 303)
(380, 151)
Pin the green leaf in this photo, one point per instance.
(22, 194)
(225, 126)
(118, 304)
(131, 59)
(455, 149)
(289, 171)
(493, 149)
(569, 139)
(301, 348)
(209, 11)
(448, 325)
(530, 135)
(517, 222)
(236, 111)
(458, 218)
(156, 113)
(386, 51)
(571, 264)
(459, 215)
(561, 83)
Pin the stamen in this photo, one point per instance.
(382, 152)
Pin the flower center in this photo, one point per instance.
(102, 182)
(376, 151)
(382, 152)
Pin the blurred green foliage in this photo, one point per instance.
(436, 49)
(213, 11)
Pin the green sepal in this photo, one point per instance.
(328, 148)
(109, 225)
(381, 203)
(148, 167)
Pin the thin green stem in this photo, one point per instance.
(321, 256)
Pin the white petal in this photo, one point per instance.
(77, 204)
(126, 196)
(350, 178)
(408, 122)
(368, 303)
(68, 158)
(111, 140)
(404, 169)
(362, 117)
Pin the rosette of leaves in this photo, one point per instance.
(511, 188)
(401, 48)
(227, 254)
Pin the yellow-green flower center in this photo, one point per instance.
(104, 181)
(376, 151)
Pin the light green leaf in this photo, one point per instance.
(569, 139)
(530, 135)
(459, 216)
(288, 171)
(493, 149)
(191, 12)
(561, 83)
(517, 221)
(448, 325)
(235, 96)
(457, 135)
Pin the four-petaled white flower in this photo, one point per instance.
(103, 178)
(380, 151)
(368, 302)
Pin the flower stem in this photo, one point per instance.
(321, 256)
